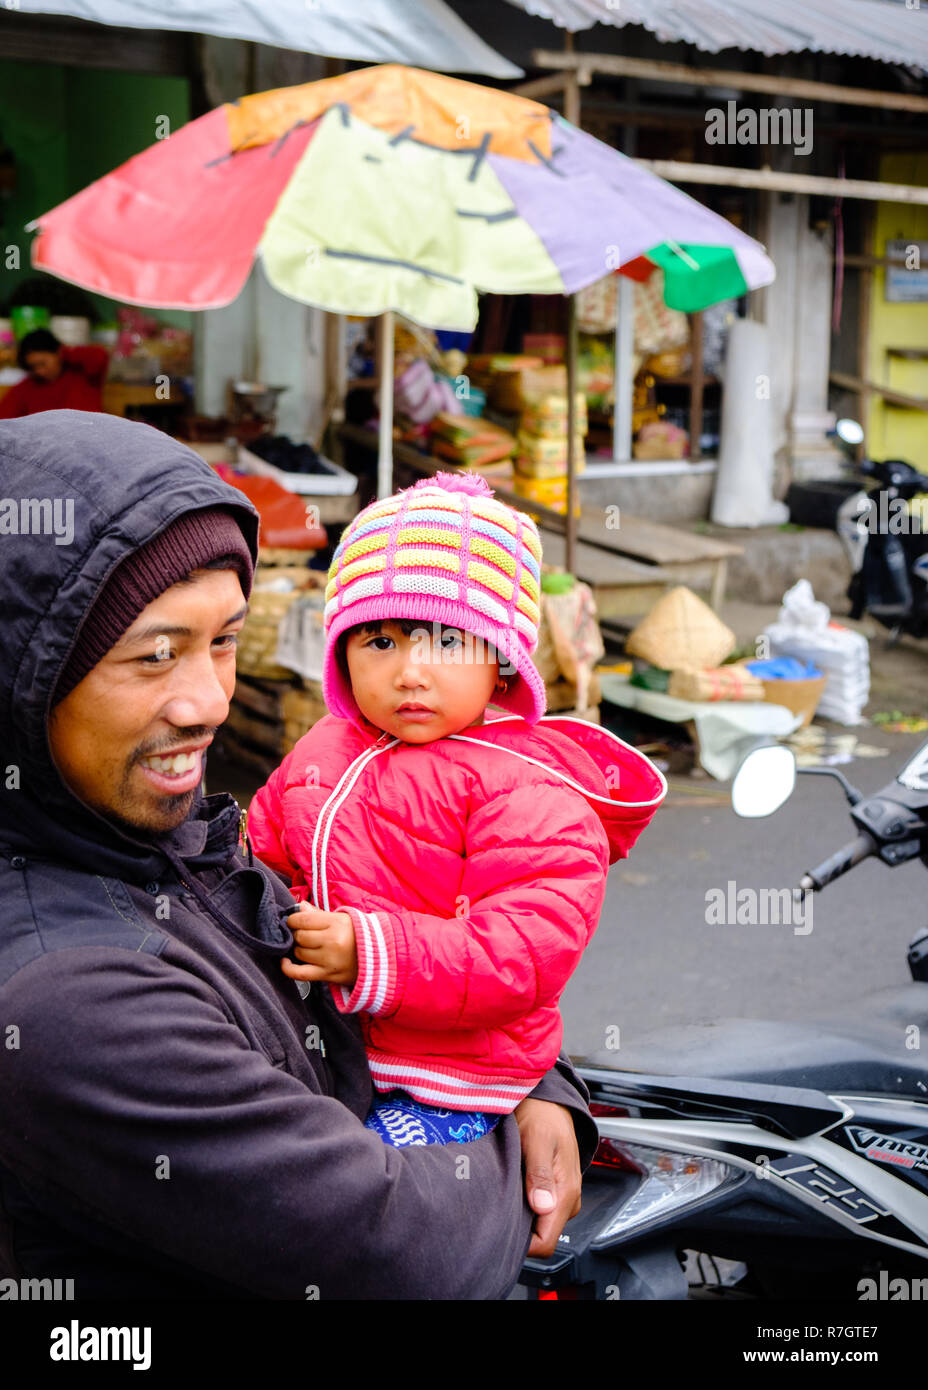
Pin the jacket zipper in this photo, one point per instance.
(321, 835)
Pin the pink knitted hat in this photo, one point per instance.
(445, 551)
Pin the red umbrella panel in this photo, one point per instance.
(152, 234)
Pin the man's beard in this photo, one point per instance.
(169, 813)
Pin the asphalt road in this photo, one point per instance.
(655, 960)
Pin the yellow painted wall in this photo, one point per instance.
(893, 432)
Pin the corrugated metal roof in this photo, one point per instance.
(879, 29)
(422, 33)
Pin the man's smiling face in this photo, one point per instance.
(129, 739)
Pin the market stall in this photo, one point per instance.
(147, 363)
(392, 189)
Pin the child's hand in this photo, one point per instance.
(325, 941)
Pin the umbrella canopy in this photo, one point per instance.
(425, 32)
(388, 188)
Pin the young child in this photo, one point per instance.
(456, 864)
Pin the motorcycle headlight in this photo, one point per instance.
(669, 1183)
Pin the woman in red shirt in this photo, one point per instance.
(60, 378)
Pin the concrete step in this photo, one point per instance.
(772, 560)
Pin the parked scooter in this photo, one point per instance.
(796, 1151)
(886, 543)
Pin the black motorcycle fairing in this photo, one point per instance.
(790, 1111)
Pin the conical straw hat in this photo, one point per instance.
(681, 630)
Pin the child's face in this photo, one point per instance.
(424, 686)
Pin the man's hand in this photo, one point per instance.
(552, 1169)
(326, 942)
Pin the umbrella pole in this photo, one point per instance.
(385, 441)
(571, 533)
(623, 379)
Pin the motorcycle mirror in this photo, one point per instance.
(851, 431)
(915, 773)
(763, 782)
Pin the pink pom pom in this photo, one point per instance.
(471, 483)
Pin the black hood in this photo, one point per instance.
(96, 488)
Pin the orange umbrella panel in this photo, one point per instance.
(442, 112)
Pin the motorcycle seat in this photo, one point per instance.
(867, 1046)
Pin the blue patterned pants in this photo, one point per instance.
(400, 1121)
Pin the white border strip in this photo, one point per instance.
(423, 1073)
(383, 963)
(595, 796)
(356, 767)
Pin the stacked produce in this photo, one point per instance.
(542, 457)
(501, 376)
(542, 438)
(469, 441)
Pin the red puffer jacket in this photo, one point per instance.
(474, 870)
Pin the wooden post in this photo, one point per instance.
(572, 114)
(864, 301)
(697, 384)
(570, 548)
(866, 387)
(777, 84)
(781, 181)
(542, 87)
(572, 100)
(623, 379)
(717, 591)
(333, 404)
(572, 88)
(385, 440)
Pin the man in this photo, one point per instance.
(175, 1120)
(60, 378)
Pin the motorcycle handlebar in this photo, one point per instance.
(839, 862)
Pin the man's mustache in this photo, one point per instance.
(164, 750)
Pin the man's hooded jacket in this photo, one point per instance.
(175, 1120)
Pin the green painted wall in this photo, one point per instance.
(67, 127)
(34, 125)
(893, 432)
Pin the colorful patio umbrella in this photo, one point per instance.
(388, 188)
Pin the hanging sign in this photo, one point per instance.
(907, 280)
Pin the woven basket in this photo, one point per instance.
(801, 697)
(681, 630)
(257, 642)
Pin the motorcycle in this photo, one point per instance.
(886, 543)
(764, 1159)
